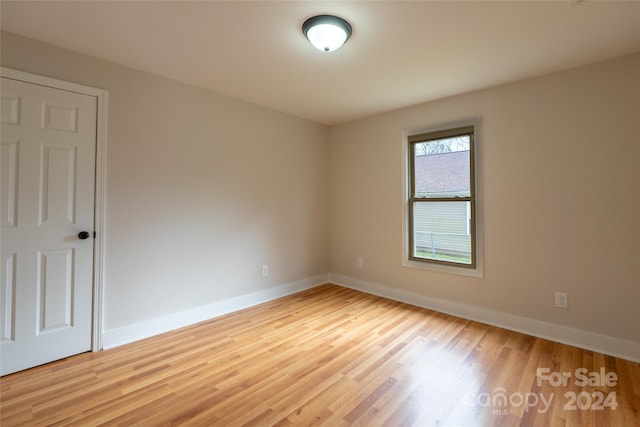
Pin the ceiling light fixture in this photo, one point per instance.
(326, 32)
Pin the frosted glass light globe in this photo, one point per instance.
(327, 37)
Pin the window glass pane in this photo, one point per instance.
(441, 231)
(442, 167)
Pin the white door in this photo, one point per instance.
(47, 200)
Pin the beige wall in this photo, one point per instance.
(560, 169)
(202, 189)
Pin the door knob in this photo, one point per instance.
(83, 235)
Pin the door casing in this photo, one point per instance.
(100, 184)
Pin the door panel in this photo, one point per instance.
(57, 196)
(9, 182)
(55, 290)
(7, 298)
(48, 187)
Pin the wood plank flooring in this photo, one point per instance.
(329, 356)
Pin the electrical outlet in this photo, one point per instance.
(359, 262)
(562, 300)
(265, 270)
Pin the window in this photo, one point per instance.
(442, 200)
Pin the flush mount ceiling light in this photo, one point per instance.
(326, 32)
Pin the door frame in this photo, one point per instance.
(102, 97)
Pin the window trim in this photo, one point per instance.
(475, 269)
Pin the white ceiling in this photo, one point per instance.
(400, 54)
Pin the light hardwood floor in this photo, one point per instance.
(328, 356)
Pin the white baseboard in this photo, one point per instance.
(587, 340)
(148, 328)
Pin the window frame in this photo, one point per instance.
(434, 135)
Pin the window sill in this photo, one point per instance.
(450, 269)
